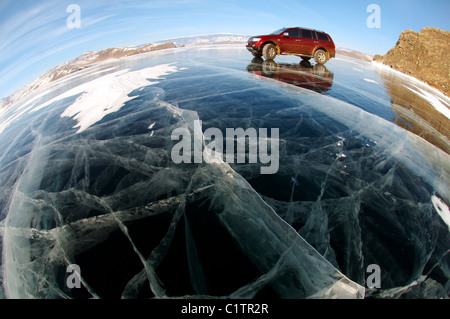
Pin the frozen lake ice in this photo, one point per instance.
(87, 178)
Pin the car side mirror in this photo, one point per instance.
(286, 34)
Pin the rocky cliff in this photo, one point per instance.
(423, 55)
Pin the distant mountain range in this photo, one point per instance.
(354, 54)
(218, 38)
(90, 58)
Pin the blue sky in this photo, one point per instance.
(34, 35)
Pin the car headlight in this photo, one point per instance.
(255, 39)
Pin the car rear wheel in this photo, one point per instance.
(321, 56)
(320, 70)
(269, 51)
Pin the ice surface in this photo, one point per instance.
(353, 188)
(436, 98)
(247, 218)
(442, 105)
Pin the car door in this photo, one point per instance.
(308, 42)
(289, 43)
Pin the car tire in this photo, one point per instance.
(269, 68)
(320, 70)
(269, 51)
(321, 57)
(304, 58)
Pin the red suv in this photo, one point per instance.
(305, 43)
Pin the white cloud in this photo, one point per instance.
(89, 21)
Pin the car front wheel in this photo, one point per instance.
(269, 51)
(321, 57)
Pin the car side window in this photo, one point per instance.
(293, 33)
(308, 34)
(322, 36)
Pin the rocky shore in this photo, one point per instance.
(422, 55)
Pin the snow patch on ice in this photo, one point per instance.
(107, 94)
(442, 209)
(99, 97)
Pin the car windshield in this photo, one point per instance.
(278, 31)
